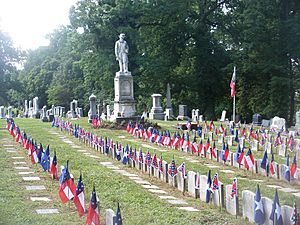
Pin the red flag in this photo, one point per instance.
(67, 188)
(234, 188)
(294, 167)
(79, 197)
(232, 83)
(93, 216)
(53, 168)
(215, 184)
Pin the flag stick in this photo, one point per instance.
(233, 116)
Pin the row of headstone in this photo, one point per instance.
(9, 114)
(31, 108)
(75, 111)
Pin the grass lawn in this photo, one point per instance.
(138, 206)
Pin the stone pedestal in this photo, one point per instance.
(156, 111)
(35, 113)
(26, 109)
(44, 114)
(2, 113)
(124, 104)
(92, 112)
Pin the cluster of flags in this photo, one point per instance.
(68, 191)
(275, 215)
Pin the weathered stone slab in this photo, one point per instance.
(110, 217)
(191, 180)
(120, 171)
(157, 191)
(22, 168)
(35, 188)
(75, 146)
(164, 175)
(203, 187)
(267, 203)
(167, 197)
(227, 171)
(142, 182)
(121, 137)
(18, 157)
(113, 167)
(180, 182)
(106, 163)
(86, 153)
(194, 161)
(189, 209)
(94, 156)
(31, 178)
(231, 203)
(288, 190)
(11, 151)
(218, 196)
(130, 175)
(286, 212)
(274, 186)
(248, 204)
(47, 211)
(297, 194)
(7, 145)
(82, 150)
(25, 173)
(19, 163)
(177, 202)
(149, 186)
(134, 178)
(254, 145)
(213, 166)
(44, 199)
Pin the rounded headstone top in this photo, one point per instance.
(92, 97)
(156, 95)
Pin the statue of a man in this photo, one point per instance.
(121, 52)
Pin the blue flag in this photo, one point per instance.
(238, 152)
(118, 216)
(45, 161)
(276, 216)
(259, 212)
(125, 155)
(40, 153)
(264, 161)
(208, 189)
(237, 136)
(286, 172)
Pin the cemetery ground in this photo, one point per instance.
(138, 206)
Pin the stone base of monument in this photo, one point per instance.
(44, 119)
(125, 108)
(157, 116)
(127, 119)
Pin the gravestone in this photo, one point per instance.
(181, 182)
(268, 147)
(30, 109)
(108, 113)
(191, 179)
(248, 203)
(218, 196)
(267, 203)
(62, 112)
(183, 112)
(35, 112)
(2, 113)
(231, 203)
(92, 112)
(256, 119)
(195, 115)
(156, 110)
(223, 116)
(286, 212)
(277, 123)
(9, 112)
(79, 111)
(282, 150)
(203, 187)
(169, 110)
(254, 145)
(26, 108)
(297, 125)
(110, 217)
(44, 114)
(265, 123)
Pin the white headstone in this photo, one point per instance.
(223, 116)
(277, 123)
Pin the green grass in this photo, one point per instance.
(138, 206)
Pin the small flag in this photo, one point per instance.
(294, 217)
(118, 216)
(93, 216)
(259, 212)
(45, 160)
(182, 169)
(264, 161)
(125, 155)
(154, 161)
(53, 168)
(79, 197)
(172, 169)
(160, 164)
(208, 188)
(276, 216)
(272, 164)
(294, 167)
(215, 183)
(232, 83)
(234, 188)
(286, 172)
(67, 188)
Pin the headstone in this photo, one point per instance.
(26, 108)
(9, 112)
(203, 187)
(277, 123)
(183, 111)
(181, 182)
(30, 109)
(282, 150)
(2, 113)
(248, 203)
(177, 202)
(297, 126)
(265, 123)
(220, 138)
(44, 199)
(254, 145)
(92, 111)
(44, 114)
(231, 203)
(286, 212)
(256, 119)
(79, 111)
(46, 211)
(110, 217)
(223, 116)
(268, 147)
(35, 113)
(191, 179)
(218, 196)
(35, 188)
(72, 109)
(156, 110)
(157, 191)
(169, 110)
(31, 178)
(267, 203)
(108, 113)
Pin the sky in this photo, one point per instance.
(28, 21)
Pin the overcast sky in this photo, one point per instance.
(28, 21)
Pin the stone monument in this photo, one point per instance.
(92, 112)
(35, 111)
(156, 111)
(2, 113)
(26, 109)
(169, 110)
(124, 104)
(30, 109)
(9, 112)
(44, 114)
(297, 126)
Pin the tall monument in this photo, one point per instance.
(124, 103)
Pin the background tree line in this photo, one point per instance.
(191, 44)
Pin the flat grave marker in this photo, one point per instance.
(44, 199)
(167, 197)
(26, 173)
(157, 191)
(150, 186)
(35, 188)
(189, 209)
(18, 157)
(31, 178)
(18, 163)
(142, 182)
(22, 168)
(47, 211)
(177, 202)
